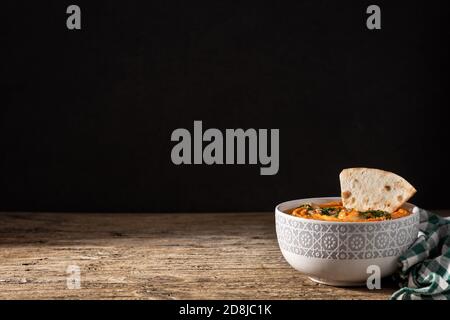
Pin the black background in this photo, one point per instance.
(86, 116)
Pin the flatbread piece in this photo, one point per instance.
(367, 189)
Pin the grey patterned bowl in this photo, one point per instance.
(339, 253)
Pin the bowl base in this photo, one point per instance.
(338, 283)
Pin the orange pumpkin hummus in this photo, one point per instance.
(335, 211)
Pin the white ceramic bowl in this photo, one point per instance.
(339, 253)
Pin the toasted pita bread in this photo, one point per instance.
(367, 189)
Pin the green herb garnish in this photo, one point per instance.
(330, 211)
(308, 208)
(375, 214)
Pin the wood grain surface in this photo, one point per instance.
(153, 256)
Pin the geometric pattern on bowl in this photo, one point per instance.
(346, 241)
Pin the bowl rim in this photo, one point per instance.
(278, 211)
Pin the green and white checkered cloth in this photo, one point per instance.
(425, 266)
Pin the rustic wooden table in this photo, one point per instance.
(153, 256)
